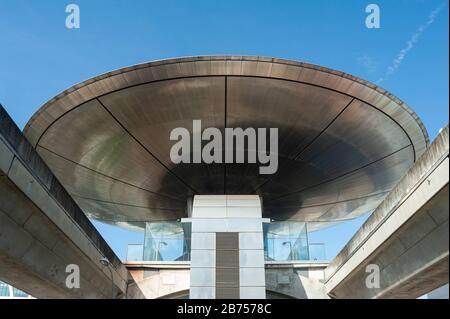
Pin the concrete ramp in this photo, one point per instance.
(42, 230)
(406, 238)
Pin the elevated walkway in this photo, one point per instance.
(42, 230)
(407, 236)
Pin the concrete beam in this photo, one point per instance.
(42, 230)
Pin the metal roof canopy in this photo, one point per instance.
(343, 142)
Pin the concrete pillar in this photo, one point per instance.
(227, 252)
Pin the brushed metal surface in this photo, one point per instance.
(343, 142)
(227, 265)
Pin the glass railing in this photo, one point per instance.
(286, 249)
(171, 241)
(163, 241)
(167, 249)
(161, 250)
(167, 241)
(285, 241)
(135, 252)
(317, 251)
(281, 250)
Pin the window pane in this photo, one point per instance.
(4, 289)
(19, 293)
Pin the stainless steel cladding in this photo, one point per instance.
(343, 143)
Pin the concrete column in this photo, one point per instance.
(214, 274)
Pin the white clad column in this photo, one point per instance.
(240, 214)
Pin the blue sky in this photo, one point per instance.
(40, 57)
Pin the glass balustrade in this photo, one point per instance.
(171, 241)
(285, 241)
(317, 252)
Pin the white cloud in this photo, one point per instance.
(410, 45)
(368, 63)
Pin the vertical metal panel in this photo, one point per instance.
(227, 265)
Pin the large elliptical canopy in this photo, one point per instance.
(343, 142)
